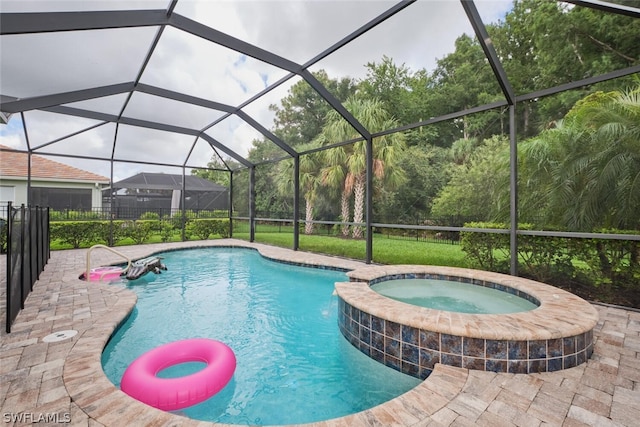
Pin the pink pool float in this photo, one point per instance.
(141, 382)
(106, 274)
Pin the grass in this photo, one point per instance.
(385, 250)
(57, 245)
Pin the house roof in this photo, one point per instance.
(13, 163)
(165, 181)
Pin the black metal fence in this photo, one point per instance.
(106, 213)
(27, 245)
(427, 231)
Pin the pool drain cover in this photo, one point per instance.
(60, 336)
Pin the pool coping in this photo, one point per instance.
(549, 320)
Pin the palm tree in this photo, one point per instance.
(346, 165)
(552, 177)
(334, 176)
(614, 119)
(585, 172)
(309, 180)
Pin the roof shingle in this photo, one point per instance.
(15, 164)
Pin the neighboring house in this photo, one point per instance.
(53, 184)
(162, 193)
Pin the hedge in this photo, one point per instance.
(86, 233)
(606, 263)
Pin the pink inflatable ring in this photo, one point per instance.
(104, 273)
(169, 394)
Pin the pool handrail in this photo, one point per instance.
(88, 270)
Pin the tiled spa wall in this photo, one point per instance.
(415, 351)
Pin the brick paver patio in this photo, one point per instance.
(62, 383)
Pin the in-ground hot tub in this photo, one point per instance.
(558, 334)
(454, 295)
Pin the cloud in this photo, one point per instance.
(41, 64)
(12, 6)
(297, 30)
(13, 138)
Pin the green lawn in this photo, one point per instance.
(385, 250)
(57, 245)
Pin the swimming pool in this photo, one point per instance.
(293, 365)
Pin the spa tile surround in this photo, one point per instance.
(558, 334)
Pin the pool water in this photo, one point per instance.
(293, 364)
(453, 296)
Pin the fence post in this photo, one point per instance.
(47, 239)
(9, 265)
(38, 240)
(23, 227)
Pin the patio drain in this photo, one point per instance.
(60, 336)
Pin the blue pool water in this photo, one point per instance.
(293, 365)
(453, 296)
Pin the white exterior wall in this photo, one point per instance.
(19, 186)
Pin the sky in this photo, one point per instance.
(298, 30)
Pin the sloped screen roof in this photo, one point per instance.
(134, 85)
(173, 83)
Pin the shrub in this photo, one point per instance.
(3, 236)
(71, 215)
(153, 219)
(487, 251)
(539, 257)
(213, 214)
(150, 215)
(609, 264)
(75, 233)
(167, 230)
(544, 257)
(109, 236)
(139, 231)
(203, 228)
(223, 228)
(175, 221)
(189, 214)
(56, 215)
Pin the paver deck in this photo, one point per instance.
(62, 383)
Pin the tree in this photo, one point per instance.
(267, 200)
(585, 173)
(300, 117)
(544, 43)
(426, 170)
(463, 79)
(391, 85)
(217, 170)
(478, 189)
(615, 123)
(346, 165)
(309, 180)
(540, 43)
